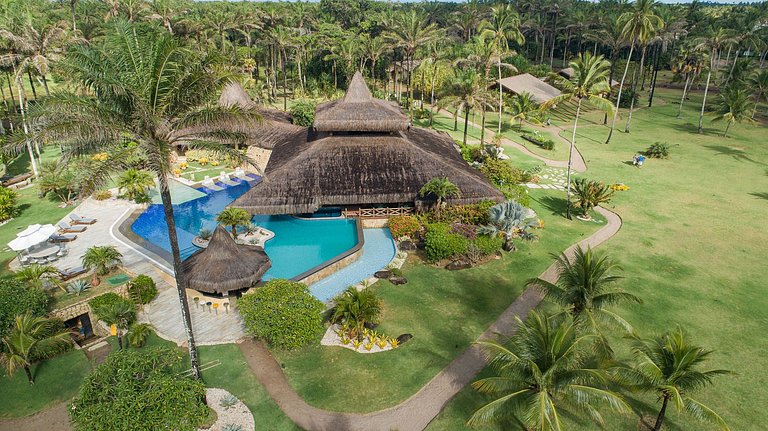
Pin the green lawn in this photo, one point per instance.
(56, 380)
(445, 311)
(692, 246)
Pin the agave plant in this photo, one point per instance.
(205, 234)
(77, 287)
(228, 401)
(510, 219)
(590, 194)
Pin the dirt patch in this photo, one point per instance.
(54, 419)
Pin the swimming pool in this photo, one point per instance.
(298, 245)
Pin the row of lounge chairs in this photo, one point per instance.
(225, 178)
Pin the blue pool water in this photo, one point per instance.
(298, 245)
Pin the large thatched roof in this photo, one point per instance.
(225, 265)
(361, 169)
(358, 111)
(527, 83)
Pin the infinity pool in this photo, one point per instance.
(298, 245)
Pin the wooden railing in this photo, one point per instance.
(379, 212)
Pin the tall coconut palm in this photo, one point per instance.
(583, 291)
(36, 276)
(713, 44)
(589, 82)
(670, 367)
(733, 107)
(373, 48)
(31, 339)
(149, 89)
(525, 109)
(540, 375)
(119, 313)
(639, 25)
(411, 31)
(502, 28)
(441, 188)
(234, 217)
(759, 85)
(467, 92)
(36, 48)
(356, 308)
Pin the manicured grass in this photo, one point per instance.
(692, 246)
(56, 380)
(444, 123)
(445, 311)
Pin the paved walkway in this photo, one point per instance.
(416, 412)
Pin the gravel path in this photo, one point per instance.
(416, 412)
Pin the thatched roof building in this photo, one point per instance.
(527, 83)
(224, 265)
(376, 159)
(358, 111)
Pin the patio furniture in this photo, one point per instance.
(31, 236)
(209, 183)
(69, 273)
(45, 252)
(67, 237)
(224, 178)
(240, 173)
(209, 305)
(68, 228)
(76, 219)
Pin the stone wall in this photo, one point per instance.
(330, 269)
(81, 307)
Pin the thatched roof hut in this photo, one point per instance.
(224, 265)
(377, 160)
(527, 83)
(358, 111)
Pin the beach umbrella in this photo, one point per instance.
(32, 236)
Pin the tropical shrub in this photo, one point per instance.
(501, 173)
(101, 305)
(283, 313)
(486, 244)
(205, 234)
(234, 217)
(510, 219)
(197, 155)
(468, 231)
(404, 225)
(142, 289)
(8, 208)
(475, 214)
(114, 396)
(590, 193)
(102, 195)
(354, 308)
(517, 193)
(134, 185)
(16, 299)
(138, 333)
(59, 179)
(303, 113)
(442, 243)
(31, 339)
(228, 401)
(102, 259)
(658, 150)
(77, 287)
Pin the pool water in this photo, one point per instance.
(298, 245)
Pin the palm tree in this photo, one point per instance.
(118, 313)
(467, 91)
(441, 188)
(32, 338)
(525, 109)
(583, 291)
(510, 219)
(759, 86)
(733, 107)
(588, 82)
(639, 25)
(35, 49)
(713, 43)
(35, 275)
(102, 259)
(669, 366)
(372, 49)
(356, 308)
(503, 27)
(411, 31)
(234, 217)
(590, 194)
(151, 90)
(134, 183)
(540, 375)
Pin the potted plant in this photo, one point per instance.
(102, 260)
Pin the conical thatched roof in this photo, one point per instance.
(361, 169)
(225, 265)
(359, 111)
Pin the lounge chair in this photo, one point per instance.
(208, 183)
(224, 178)
(240, 173)
(76, 219)
(69, 273)
(67, 237)
(68, 228)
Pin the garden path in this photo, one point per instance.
(416, 412)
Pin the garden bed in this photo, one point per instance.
(61, 299)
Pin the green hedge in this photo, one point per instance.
(142, 289)
(442, 243)
(283, 313)
(15, 299)
(101, 302)
(488, 245)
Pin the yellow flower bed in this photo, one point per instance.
(620, 187)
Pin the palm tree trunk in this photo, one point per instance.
(482, 128)
(727, 126)
(119, 340)
(654, 76)
(45, 85)
(181, 282)
(28, 372)
(733, 66)
(283, 60)
(410, 86)
(570, 163)
(466, 123)
(456, 120)
(634, 91)
(621, 87)
(32, 84)
(26, 129)
(662, 412)
(72, 4)
(10, 91)
(682, 99)
(432, 96)
(500, 94)
(704, 102)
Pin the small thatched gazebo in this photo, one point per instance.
(225, 266)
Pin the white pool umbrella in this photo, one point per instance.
(32, 236)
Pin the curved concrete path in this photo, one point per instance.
(416, 412)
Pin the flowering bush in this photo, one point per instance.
(100, 157)
(476, 214)
(177, 172)
(183, 165)
(466, 230)
(215, 163)
(203, 161)
(620, 187)
(401, 226)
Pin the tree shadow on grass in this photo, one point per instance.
(556, 205)
(735, 153)
(760, 195)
